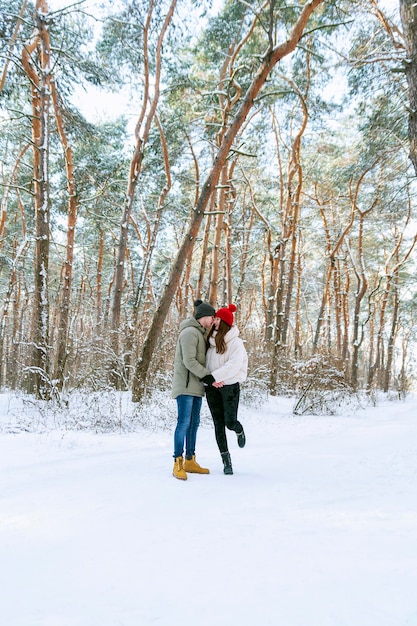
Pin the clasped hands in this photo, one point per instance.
(209, 381)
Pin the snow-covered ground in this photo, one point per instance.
(317, 526)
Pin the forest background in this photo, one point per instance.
(266, 156)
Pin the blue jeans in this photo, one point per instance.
(188, 422)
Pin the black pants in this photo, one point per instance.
(223, 404)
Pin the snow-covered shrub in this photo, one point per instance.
(254, 391)
(90, 410)
(157, 411)
(322, 388)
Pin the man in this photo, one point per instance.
(187, 388)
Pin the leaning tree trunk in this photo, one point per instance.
(269, 61)
(408, 12)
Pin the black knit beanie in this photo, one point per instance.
(201, 309)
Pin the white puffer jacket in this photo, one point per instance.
(232, 366)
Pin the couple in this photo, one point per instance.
(210, 357)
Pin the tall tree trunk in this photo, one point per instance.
(38, 72)
(11, 298)
(276, 251)
(204, 252)
(20, 249)
(295, 185)
(143, 127)
(298, 349)
(152, 233)
(67, 269)
(247, 226)
(273, 55)
(408, 12)
(99, 284)
(345, 314)
(218, 231)
(359, 270)
(338, 306)
(332, 250)
(392, 335)
(269, 272)
(289, 236)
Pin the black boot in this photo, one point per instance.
(241, 439)
(227, 462)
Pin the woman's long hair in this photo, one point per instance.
(219, 337)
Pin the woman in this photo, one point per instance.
(227, 361)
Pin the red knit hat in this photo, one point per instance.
(226, 314)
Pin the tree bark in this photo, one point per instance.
(331, 253)
(408, 12)
(67, 268)
(289, 238)
(38, 72)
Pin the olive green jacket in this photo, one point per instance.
(190, 359)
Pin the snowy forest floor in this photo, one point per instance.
(317, 526)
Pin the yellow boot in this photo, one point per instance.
(178, 470)
(191, 465)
